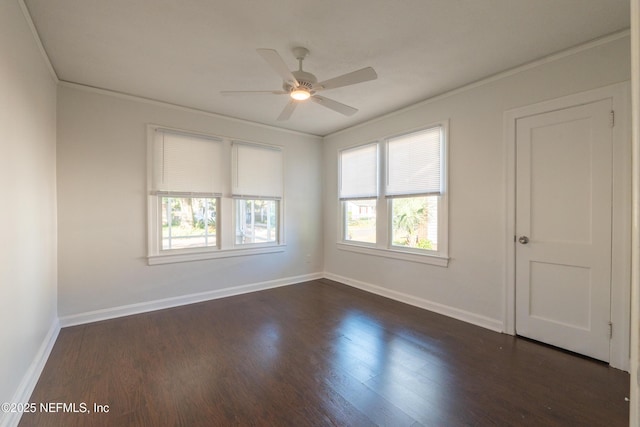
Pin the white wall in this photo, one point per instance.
(102, 211)
(28, 213)
(472, 286)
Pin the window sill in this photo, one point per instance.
(204, 255)
(437, 260)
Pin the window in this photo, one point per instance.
(358, 192)
(188, 222)
(409, 196)
(256, 221)
(212, 197)
(415, 222)
(414, 186)
(257, 188)
(187, 183)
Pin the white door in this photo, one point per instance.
(563, 228)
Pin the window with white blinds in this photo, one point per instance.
(358, 193)
(359, 172)
(413, 164)
(257, 171)
(398, 209)
(212, 197)
(186, 164)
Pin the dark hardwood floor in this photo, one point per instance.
(317, 353)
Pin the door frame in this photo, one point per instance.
(620, 219)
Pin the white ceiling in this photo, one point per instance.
(186, 51)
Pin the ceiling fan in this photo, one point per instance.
(301, 85)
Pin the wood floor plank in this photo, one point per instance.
(317, 354)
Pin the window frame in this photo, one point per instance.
(225, 210)
(384, 217)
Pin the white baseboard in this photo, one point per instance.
(456, 313)
(144, 307)
(30, 378)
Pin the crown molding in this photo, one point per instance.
(36, 37)
(495, 77)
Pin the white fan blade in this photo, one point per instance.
(276, 62)
(334, 105)
(253, 92)
(352, 78)
(288, 110)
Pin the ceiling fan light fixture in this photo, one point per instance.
(300, 94)
(301, 85)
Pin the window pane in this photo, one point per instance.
(360, 220)
(188, 222)
(415, 222)
(256, 221)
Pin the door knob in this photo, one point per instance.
(523, 239)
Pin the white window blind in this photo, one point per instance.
(359, 172)
(186, 164)
(413, 163)
(257, 171)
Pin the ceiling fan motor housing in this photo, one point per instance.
(305, 80)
